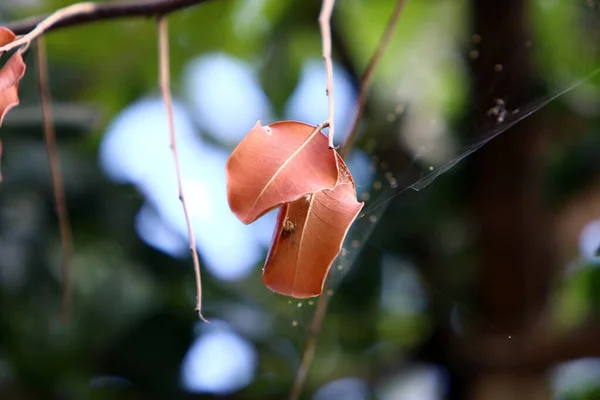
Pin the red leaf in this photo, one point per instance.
(308, 236)
(10, 75)
(277, 164)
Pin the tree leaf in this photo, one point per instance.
(308, 236)
(277, 164)
(11, 72)
(10, 75)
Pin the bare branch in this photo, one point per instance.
(82, 13)
(165, 86)
(56, 174)
(311, 343)
(365, 78)
(325, 24)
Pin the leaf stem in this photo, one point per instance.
(165, 85)
(325, 24)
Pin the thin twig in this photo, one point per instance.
(82, 13)
(325, 24)
(319, 317)
(56, 174)
(366, 76)
(165, 86)
(311, 343)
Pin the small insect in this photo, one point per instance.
(288, 226)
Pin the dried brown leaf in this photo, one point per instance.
(308, 236)
(10, 75)
(277, 164)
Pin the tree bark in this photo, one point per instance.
(513, 221)
(515, 264)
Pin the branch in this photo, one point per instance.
(55, 172)
(365, 78)
(325, 24)
(321, 310)
(165, 86)
(311, 343)
(82, 13)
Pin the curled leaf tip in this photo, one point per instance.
(11, 73)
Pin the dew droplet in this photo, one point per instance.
(365, 196)
(431, 167)
(310, 302)
(330, 292)
(373, 218)
(294, 323)
(377, 185)
(340, 267)
(299, 304)
(344, 251)
(355, 243)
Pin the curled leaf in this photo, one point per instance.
(10, 75)
(308, 236)
(277, 164)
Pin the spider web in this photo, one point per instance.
(420, 171)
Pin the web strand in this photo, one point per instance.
(512, 120)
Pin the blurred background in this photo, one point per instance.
(470, 280)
